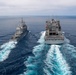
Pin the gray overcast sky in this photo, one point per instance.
(37, 7)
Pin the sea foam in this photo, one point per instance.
(5, 49)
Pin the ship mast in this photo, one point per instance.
(22, 22)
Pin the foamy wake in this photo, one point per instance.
(55, 64)
(41, 40)
(34, 63)
(5, 49)
(70, 49)
(46, 63)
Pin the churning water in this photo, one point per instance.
(32, 57)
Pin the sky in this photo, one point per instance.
(37, 7)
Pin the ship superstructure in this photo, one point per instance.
(53, 34)
(21, 31)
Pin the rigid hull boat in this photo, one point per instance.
(53, 34)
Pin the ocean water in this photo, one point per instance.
(31, 56)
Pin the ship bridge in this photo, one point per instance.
(53, 27)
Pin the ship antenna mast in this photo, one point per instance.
(22, 21)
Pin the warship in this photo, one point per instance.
(21, 31)
(53, 34)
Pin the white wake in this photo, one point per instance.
(55, 62)
(5, 49)
(33, 62)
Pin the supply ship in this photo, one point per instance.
(53, 34)
(21, 31)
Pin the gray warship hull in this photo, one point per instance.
(21, 31)
(14, 38)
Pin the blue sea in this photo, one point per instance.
(31, 56)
